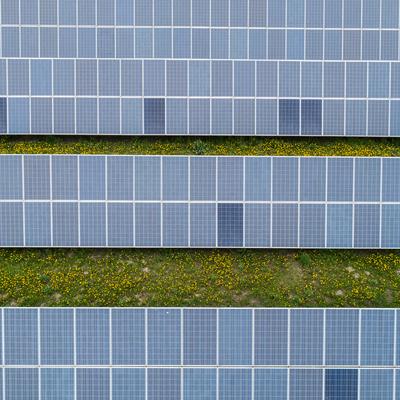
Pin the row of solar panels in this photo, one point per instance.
(346, 338)
(182, 78)
(217, 13)
(180, 116)
(204, 43)
(200, 384)
(176, 201)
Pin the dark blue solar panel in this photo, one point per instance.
(341, 384)
(230, 225)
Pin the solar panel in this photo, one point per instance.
(193, 354)
(200, 67)
(199, 201)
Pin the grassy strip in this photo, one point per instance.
(199, 278)
(83, 277)
(203, 146)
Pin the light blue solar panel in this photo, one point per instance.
(57, 383)
(57, 337)
(390, 179)
(257, 179)
(377, 337)
(199, 384)
(306, 337)
(164, 337)
(234, 384)
(120, 218)
(367, 179)
(230, 178)
(147, 178)
(92, 178)
(390, 226)
(257, 219)
(175, 225)
(128, 337)
(341, 337)
(38, 224)
(92, 224)
(128, 384)
(120, 179)
(285, 225)
(235, 337)
(64, 175)
(163, 384)
(313, 179)
(339, 225)
(202, 178)
(271, 337)
(285, 179)
(376, 383)
(92, 384)
(65, 224)
(175, 178)
(340, 179)
(10, 177)
(270, 384)
(147, 224)
(92, 337)
(21, 383)
(199, 337)
(37, 177)
(306, 384)
(203, 225)
(312, 225)
(20, 336)
(366, 225)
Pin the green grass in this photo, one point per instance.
(203, 146)
(81, 277)
(199, 278)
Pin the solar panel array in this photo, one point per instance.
(200, 67)
(199, 201)
(192, 354)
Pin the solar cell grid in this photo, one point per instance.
(102, 53)
(300, 354)
(180, 201)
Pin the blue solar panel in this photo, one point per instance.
(194, 201)
(122, 354)
(128, 67)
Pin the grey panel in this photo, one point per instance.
(285, 179)
(120, 224)
(230, 178)
(92, 178)
(203, 225)
(202, 178)
(175, 225)
(147, 225)
(312, 225)
(92, 224)
(38, 224)
(65, 224)
(285, 225)
(200, 337)
(37, 177)
(92, 337)
(257, 179)
(64, 175)
(175, 178)
(120, 180)
(147, 178)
